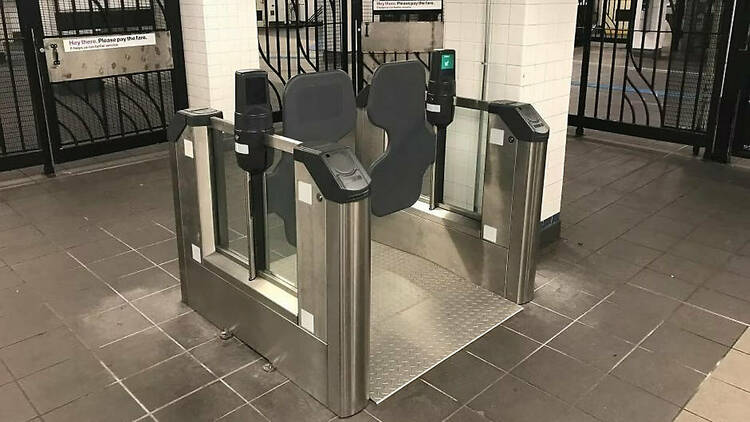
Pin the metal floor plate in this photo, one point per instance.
(421, 315)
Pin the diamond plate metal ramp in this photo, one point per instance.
(421, 315)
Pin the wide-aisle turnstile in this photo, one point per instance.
(343, 317)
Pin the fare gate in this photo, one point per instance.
(651, 68)
(88, 77)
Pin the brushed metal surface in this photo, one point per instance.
(525, 229)
(75, 65)
(421, 315)
(402, 36)
(349, 308)
(467, 255)
(312, 265)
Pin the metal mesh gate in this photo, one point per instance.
(651, 68)
(19, 140)
(109, 113)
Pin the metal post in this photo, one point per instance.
(584, 82)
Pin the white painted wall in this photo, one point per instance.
(220, 37)
(530, 60)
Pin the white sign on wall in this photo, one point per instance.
(413, 5)
(108, 41)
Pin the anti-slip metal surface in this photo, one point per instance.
(421, 315)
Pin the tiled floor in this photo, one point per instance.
(645, 294)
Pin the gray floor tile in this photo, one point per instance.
(706, 325)
(595, 347)
(728, 239)
(514, 400)
(630, 252)
(120, 265)
(96, 330)
(5, 376)
(466, 414)
(681, 268)
(98, 250)
(16, 327)
(686, 348)
(503, 348)
(244, 414)
(137, 352)
(613, 401)
(8, 278)
(224, 356)
(610, 266)
(731, 284)
(168, 381)
(172, 267)
(161, 252)
(416, 402)
(144, 236)
(739, 264)
(289, 403)
(206, 404)
(41, 351)
(565, 299)
(65, 382)
(701, 254)
(13, 405)
(190, 329)
(45, 266)
(664, 284)
(650, 239)
(621, 322)
(537, 322)
(643, 302)
(114, 402)
(557, 374)
(722, 304)
(659, 376)
(252, 381)
(142, 283)
(462, 376)
(163, 305)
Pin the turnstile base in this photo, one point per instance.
(421, 315)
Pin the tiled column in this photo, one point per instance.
(530, 59)
(220, 37)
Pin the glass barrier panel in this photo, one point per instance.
(464, 160)
(281, 226)
(231, 184)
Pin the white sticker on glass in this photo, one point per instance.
(434, 108)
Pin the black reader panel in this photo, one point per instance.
(522, 119)
(340, 177)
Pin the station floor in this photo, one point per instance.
(640, 315)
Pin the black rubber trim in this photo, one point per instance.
(192, 117)
(511, 113)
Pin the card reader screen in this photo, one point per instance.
(447, 61)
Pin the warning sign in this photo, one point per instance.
(412, 5)
(108, 41)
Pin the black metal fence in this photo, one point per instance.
(302, 36)
(19, 139)
(652, 69)
(63, 121)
